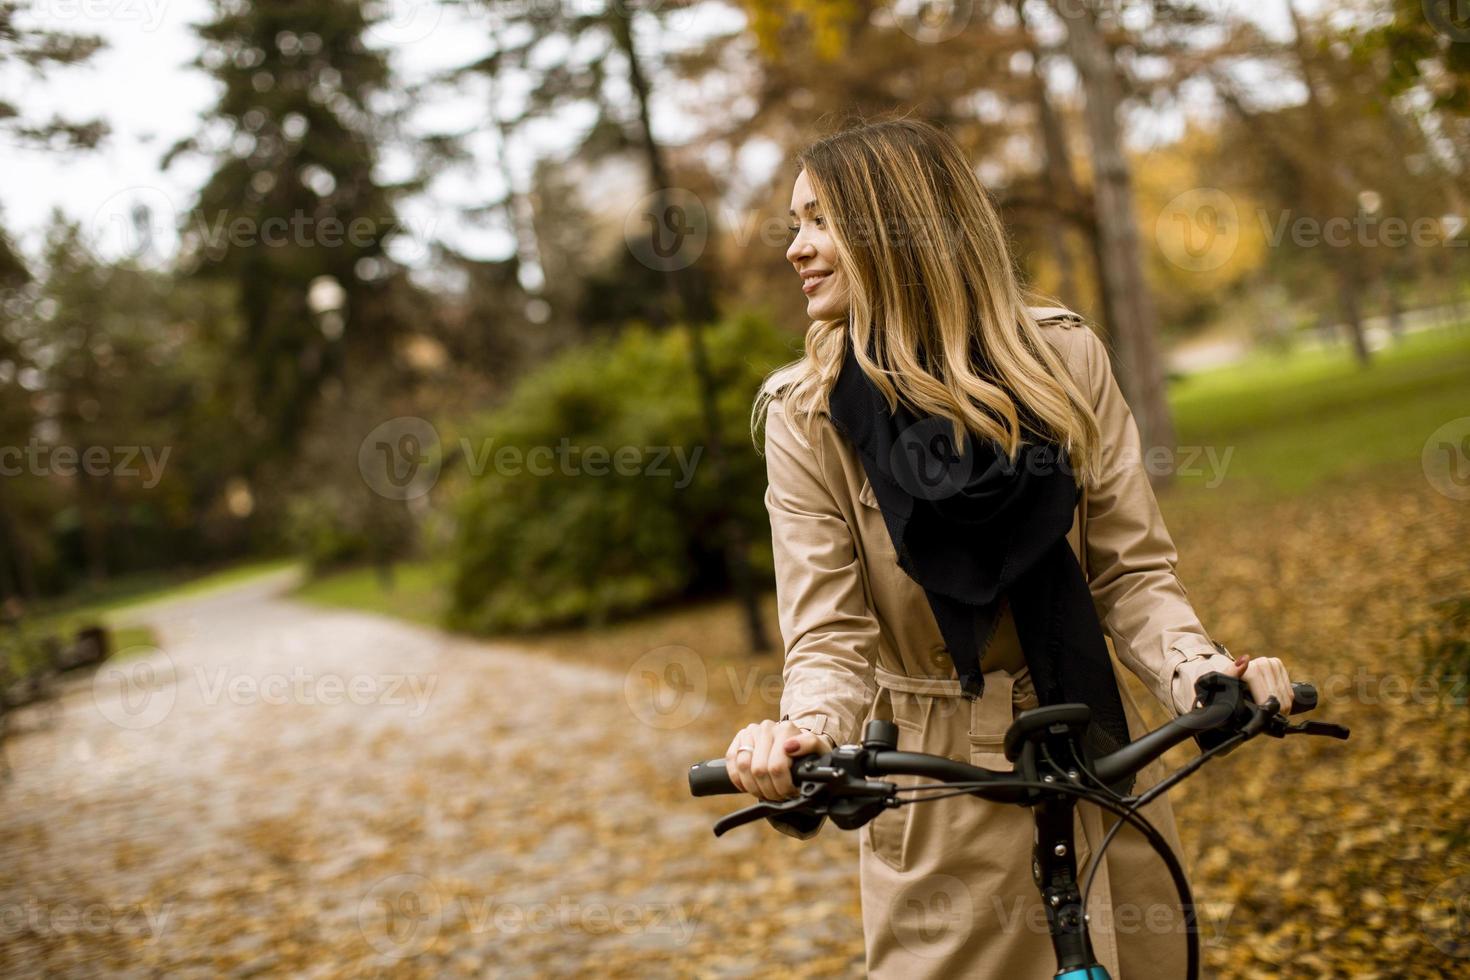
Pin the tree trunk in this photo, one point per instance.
(16, 574)
(686, 293)
(1352, 313)
(1057, 177)
(1131, 317)
(1350, 270)
(93, 498)
(1394, 311)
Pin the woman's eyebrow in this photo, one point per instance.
(808, 206)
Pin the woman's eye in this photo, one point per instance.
(821, 222)
(793, 231)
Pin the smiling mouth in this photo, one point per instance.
(811, 281)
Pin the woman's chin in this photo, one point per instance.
(818, 309)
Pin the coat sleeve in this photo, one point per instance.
(829, 631)
(1132, 558)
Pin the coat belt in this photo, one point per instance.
(1023, 693)
(937, 687)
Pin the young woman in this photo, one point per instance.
(958, 509)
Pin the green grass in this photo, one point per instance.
(419, 590)
(1293, 421)
(98, 604)
(101, 606)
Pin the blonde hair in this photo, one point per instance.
(929, 272)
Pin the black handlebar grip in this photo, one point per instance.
(1303, 698)
(710, 778)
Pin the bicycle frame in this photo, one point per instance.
(837, 785)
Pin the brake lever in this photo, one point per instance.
(761, 810)
(1276, 725)
(1319, 728)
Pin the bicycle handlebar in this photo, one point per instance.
(841, 784)
(1213, 715)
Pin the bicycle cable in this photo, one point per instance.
(1138, 821)
(1143, 799)
(1081, 766)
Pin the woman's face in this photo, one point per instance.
(814, 255)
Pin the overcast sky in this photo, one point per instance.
(143, 85)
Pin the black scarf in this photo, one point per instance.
(976, 530)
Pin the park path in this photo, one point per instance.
(284, 789)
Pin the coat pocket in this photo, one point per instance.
(887, 834)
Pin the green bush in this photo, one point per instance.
(536, 548)
(335, 527)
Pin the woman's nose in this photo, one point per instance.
(798, 249)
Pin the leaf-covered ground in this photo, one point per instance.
(482, 810)
(1310, 857)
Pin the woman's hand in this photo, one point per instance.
(1266, 677)
(764, 769)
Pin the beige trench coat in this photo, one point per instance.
(946, 886)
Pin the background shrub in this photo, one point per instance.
(576, 546)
